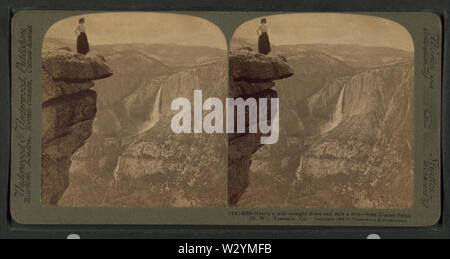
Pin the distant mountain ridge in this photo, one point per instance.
(356, 56)
(174, 55)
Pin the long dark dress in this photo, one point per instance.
(82, 43)
(264, 43)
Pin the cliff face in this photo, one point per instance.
(158, 168)
(251, 75)
(68, 110)
(362, 155)
(133, 158)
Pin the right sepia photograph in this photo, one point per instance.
(345, 87)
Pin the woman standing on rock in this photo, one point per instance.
(263, 40)
(82, 41)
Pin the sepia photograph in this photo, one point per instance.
(108, 82)
(345, 85)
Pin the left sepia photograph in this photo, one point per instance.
(108, 82)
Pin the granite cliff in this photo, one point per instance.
(68, 110)
(159, 168)
(362, 155)
(251, 76)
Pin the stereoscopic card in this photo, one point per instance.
(226, 118)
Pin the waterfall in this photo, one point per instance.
(154, 114)
(337, 115)
(298, 174)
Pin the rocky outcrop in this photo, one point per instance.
(251, 75)
(68, 110)
(71, 67)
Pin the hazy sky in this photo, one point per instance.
(139, 27)
(330, 28)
